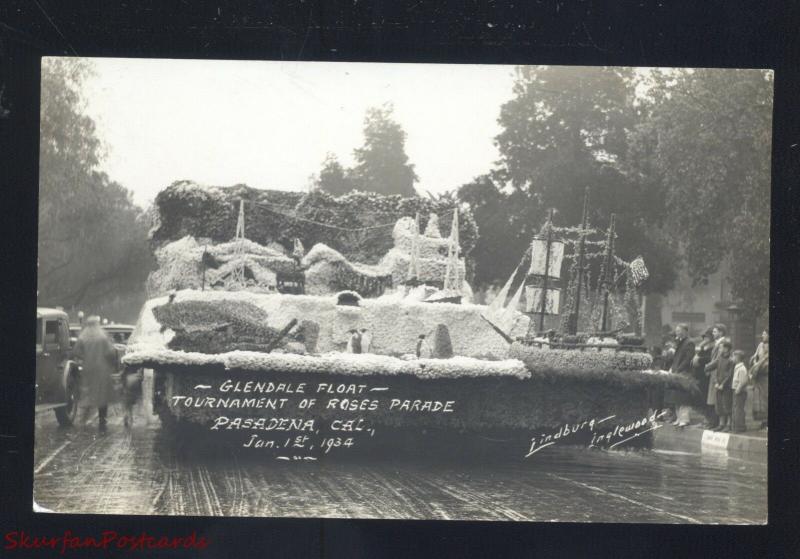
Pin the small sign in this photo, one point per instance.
(712, 439)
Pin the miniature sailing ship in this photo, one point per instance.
(542, 296)
(542, 293)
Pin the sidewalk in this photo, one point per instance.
(694, 438)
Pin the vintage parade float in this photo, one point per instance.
(239, 309)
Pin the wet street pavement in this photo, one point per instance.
(139, 471)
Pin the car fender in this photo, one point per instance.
(70, 368)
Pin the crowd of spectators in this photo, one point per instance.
(724, 374)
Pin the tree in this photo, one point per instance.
(566, 129)
(333, 178)
(381, 163)
(501, 224)
(706, 145)
(92, 239)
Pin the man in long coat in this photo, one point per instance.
(98, 357)
(681, 364)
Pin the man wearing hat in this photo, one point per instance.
(681, 364)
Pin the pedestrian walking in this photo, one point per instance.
(739, 385)
(132, 392)
(759, 377)
(702, 357)
(98, 357)
(722, 367)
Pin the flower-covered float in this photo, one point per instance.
(373, 347)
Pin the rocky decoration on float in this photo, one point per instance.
(328, 271)
(359, 225)
(189, 263)
(243, 264)
(394, 321)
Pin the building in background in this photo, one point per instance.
(700, 306)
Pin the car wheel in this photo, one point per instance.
(66, 414)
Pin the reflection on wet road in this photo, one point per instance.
(140, 471)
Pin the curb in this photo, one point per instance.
(734, 441)
(703, 440)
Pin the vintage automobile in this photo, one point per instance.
(119, 333)
(57, 376)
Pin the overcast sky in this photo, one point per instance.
(270, 124)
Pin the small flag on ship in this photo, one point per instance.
(639, 271)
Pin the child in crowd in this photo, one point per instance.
(723, 365)
(668, 354)
(738, 385)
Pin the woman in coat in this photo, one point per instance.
(702, 358)
(759, 375)
(98, 357)
(718, 332)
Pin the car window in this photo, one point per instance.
(50, 332)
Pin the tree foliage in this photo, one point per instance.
(92, 239)
(564, 130)
(681, 156)
(382, 165)
(705, 144)
(333, 177)
(185, 208)
(503, 221)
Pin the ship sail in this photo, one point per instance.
(500, 314)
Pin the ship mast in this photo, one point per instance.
(237, 279)
(608, 263)
(452, 280)
(572, 322)
(549, 227)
